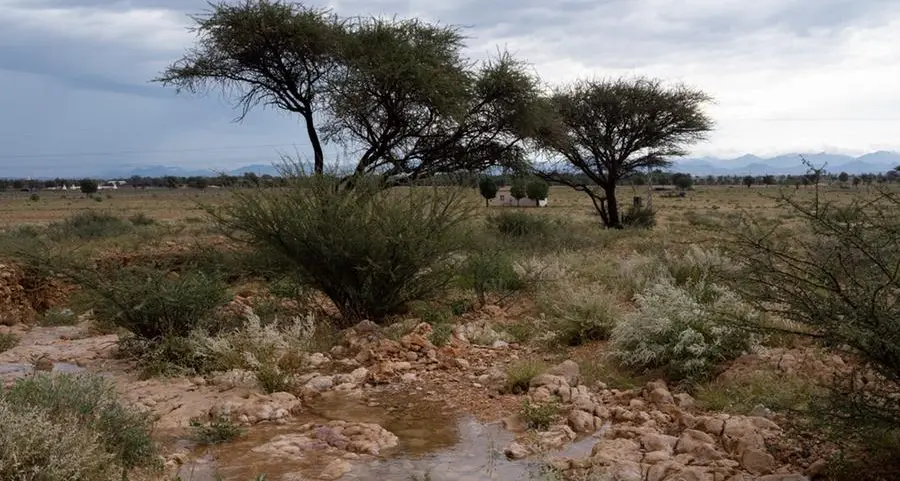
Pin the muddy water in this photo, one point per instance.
(14, 370)
(434, 443)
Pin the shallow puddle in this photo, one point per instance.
(15, 370)
(434, 443)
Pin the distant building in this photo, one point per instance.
(505, 199)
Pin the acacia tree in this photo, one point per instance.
(609, 129)
(397, 92)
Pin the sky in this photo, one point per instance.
(786, 75)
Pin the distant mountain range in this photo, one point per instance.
(789, 164)
(162, 171)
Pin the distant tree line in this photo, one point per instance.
(678, 180)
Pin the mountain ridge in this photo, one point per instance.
(747, 164)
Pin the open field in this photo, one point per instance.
(549, 345)
(16, 208)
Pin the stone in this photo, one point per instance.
(320, 383)
(817, 469)
(658, 442)
(516, 451)
(257, 408)
(684, 400)
(757, 461)
(568, 370)
(540, 395)
(783, 477)
(461, 363)
(548, 380)
(581, 421)
(660, 396)
(334, 470)
(409, 377)
(317, 359)
(236, 378)
(499, 344)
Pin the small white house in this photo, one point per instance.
(504, 198)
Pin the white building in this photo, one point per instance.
(504, 198)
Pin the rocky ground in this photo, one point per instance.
(329, 427)
(643, 434)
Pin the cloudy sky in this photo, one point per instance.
(787, 75)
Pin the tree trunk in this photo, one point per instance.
(318, 155)
(612, 207)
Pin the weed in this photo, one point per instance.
(441, 334)
(519, 375)
(57, 317)
(89, 403)
(217, 431)
(141, 219)
(539, 416)
(89, 224)
(580, 314)
(8, 341)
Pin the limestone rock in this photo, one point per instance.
(568, 370)
(757, 461)
(516, 451)
(257, 408)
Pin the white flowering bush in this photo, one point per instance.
(687, 330)
(255, 344)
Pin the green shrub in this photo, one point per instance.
(86, 404)
(489, 271)
(441, 334)
(153, 304)
(835, 276)
(539, 416)
(57, 317)
(141, 219)
(520, 224)
(89, 224)
(580, 314)
(35, 448)
(370, 250)
(639, 217)
(216, 431)
(520, 373)
(8, 341)
(34, 197)
(687, 331)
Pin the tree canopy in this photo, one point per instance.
(399, 93)
(609, 129)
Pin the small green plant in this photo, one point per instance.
(539, 416)
(89, 224)
(57, 317)
(639, 217)
(519, 224)
(519, 375)
(141, 219)
(272, 379)
(8, 341)
(580, 314)
(441, 334)
(85, 404)
(99, 199)
(217, 431)
(35, 198)
(522, 331)
(490, 271)
(459, 307)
